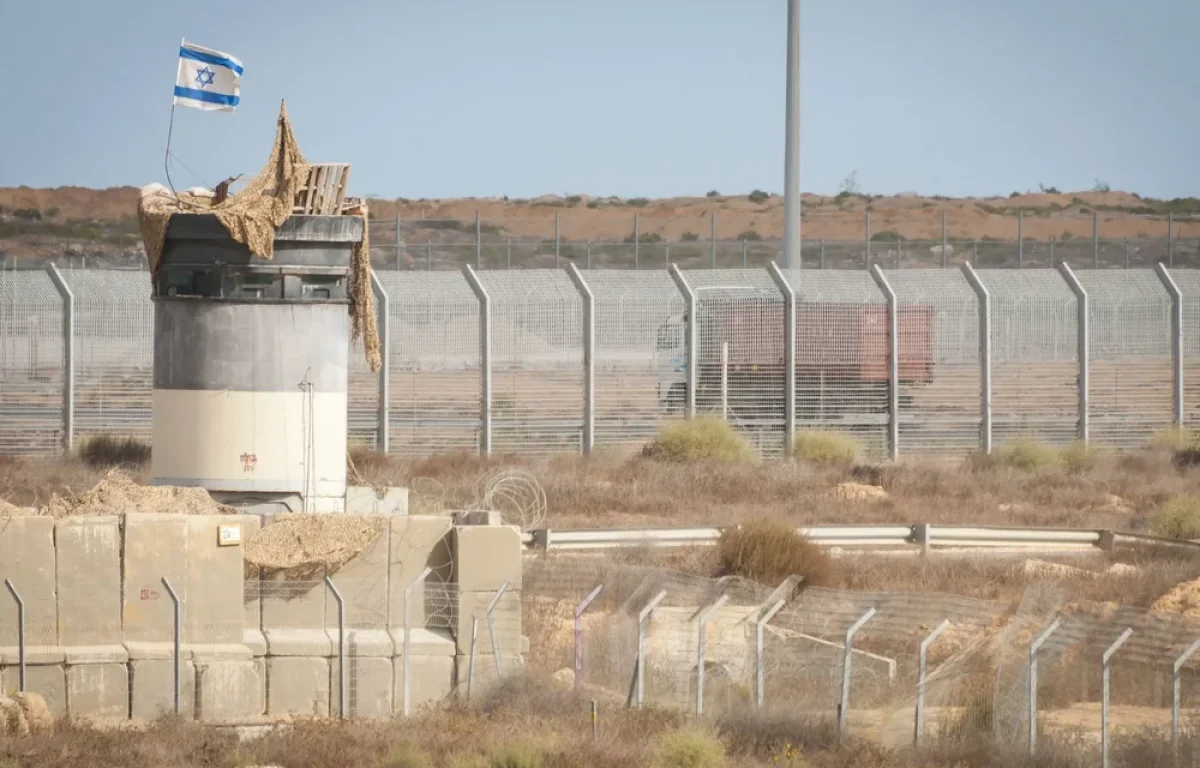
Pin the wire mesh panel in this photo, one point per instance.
(640, 356)
(740, 352)
(841, 355)
(362, 399)
(938, 322)
(1131, 376)
(434, 352)
(1035, 364)
(1188, 281)
(31, 364)
(114, 352)
(537, 362)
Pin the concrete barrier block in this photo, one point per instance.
(156, 547)
(27, 558)
(507, 619)
(293, 603)
(153, 689)
(95, 654)
(228, 691)
(299, 642)
(214, 611)
(297, 686)
(34, 654)
(363, 585)
(88, 566)
(260, 667)
(256, 641)
(432, 681)
(252, 595)
(98, 690)
(425, 642)
(370, 687)
(375, 643)
(49, 681)
(156, 651)
(417, 542)
(486, 556)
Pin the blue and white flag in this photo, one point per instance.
(207, 79)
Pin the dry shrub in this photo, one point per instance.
(1174, 439)
(1080, 456)
(519, 755)
(104, 451)
(1027, 454)
(705, 438)
(408, 756)
(1178, 518)
(769, 550)
(689, 748)
(834, 448)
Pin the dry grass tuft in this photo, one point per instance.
(689, 748)
(1027, 454)
(705, 438)
(106, 451)
(1174, 439)
(829, 448)
(769, 550)
(1178, 518)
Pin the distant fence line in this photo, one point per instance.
(909, 361)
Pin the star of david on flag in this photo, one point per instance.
(207, 79)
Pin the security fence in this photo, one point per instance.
(542, 361)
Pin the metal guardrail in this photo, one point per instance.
(922, 535)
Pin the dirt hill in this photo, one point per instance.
(41, 223)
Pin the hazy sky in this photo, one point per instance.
(436, 98)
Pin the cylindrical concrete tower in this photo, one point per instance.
(251, 362)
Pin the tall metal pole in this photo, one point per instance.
(12, 590)
(485, 360)
(1084, 353)
(383, 416)
(985, 357)
(760, 673)
(1177, 351)
(789, 358)
(919, 718)
(1108, 654)
(68, 300)
(843, 712)
(589, 357)
(343, 688)
(579, 609)
(1034, 647)
(641, 645)
(1175, 691)
(176, 662)
(701, 647)
(893, 361)
(791, 147)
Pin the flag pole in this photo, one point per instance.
(171, 126)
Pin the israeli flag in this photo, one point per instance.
(207, 79)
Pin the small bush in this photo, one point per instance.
(768, 550)
(516, 756)
(689, 237)
(1179, 518)
(704, 438)
(826, 448)
(713, 193)
(758, 196)
(886, 236)
(750, 235)
(689, 748)
(105, 451)
(1079, 456)
(638, 202)
(1027, 454)
(1174, 439)
(408, 756)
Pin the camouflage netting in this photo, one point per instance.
(254, 214)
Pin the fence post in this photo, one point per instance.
(844, 703)
(693, 353)
(945, 244)
(868, 223)
(589, 357)
(68, 299)
(1176, 339)
(12, 590)
(974, 253)
(177, 630)
(383, 428)
(408, 592)
(1034, 647)
(1021, 239)
(759, 665)
(491, 622)
(636, 242)
(893, 361)
(1104, 694)
(1081, 301)
(471, 658)
(579, 609)
(485, 360)
(701, 647)
(478, 243)
(1170, 239)
(641, 648)
(1175, 695)
(713, 239)
(789, 358)
(341, 619)
(557, 259)
(919, 719)
(588, 262)
(985, 357)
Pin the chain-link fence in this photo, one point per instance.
(551, 361)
